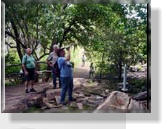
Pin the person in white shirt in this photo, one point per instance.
(52, 61)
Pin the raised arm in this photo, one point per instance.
(48, 61)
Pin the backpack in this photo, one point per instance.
(25, 63)
(23, 74)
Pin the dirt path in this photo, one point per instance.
(81, 72)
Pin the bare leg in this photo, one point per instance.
(26, 84)
(32, 84)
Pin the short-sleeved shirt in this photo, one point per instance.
(29, 61)
(65, 67)
(52, 57)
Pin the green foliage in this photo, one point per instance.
(43, 67)
(123, 41)
(112, 34)
(137, 85)
(11, 58)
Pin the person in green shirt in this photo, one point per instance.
(28, 64)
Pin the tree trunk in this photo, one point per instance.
(120, 69)
(102, 61)
(120, 66)
(18, 47)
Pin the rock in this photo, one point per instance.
(76, 87)
(33, 100)
(121, 102)
(75, 95)
(92, 97)
(82, 100)
(44, 107)
(81, 95)
(64, 108)
(57, 99)
(78, 83)
(49, 105)
(141, 96)
(92, 101)
(19, 107)
(94, 90)
(51, 93)
(80, 106)
(78, 95)
(118, 100)
(134, 68)
(73, 105)
(137, 106)
(107, 91)
(120, 86)
(99, 98)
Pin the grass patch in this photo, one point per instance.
(33, 110)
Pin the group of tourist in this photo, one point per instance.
(60, 66)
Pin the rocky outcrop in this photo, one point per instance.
(121, 102)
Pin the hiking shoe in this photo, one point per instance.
(26, 91)
(32, 90)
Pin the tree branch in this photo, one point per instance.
(66, 31)
(10, 45)
(43, 56)
(14, 38)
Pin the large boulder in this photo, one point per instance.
(120, 102)
(33, 100)
(141, 96)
